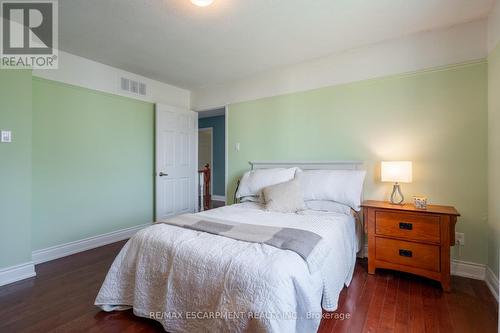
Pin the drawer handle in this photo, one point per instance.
(405, 226)
(405, 253)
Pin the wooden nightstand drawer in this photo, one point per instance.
(408, 226)
(424, 256)
(412, 240)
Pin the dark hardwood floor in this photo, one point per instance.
(60, 299)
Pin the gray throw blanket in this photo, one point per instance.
(299, 241)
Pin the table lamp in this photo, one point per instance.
(396, 172)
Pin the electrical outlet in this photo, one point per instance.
(6, 136)
(459, 238)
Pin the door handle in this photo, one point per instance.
(163, 174)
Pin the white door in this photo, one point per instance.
(176, 161)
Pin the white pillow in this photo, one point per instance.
(328, 206)
(254, 181)
(284, 197)
(251, 199)
(343, 186)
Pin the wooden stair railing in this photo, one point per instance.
(205, 195)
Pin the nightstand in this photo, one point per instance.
(404, 238)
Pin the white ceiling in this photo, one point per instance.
(177, 43)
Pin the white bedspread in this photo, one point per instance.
(193, 281)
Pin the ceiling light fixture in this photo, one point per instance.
(202, 3)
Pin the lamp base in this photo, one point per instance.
(396, 191)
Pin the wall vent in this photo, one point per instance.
(132, 86)
(142, 88)
(125, 84)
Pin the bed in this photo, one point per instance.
(194, 281)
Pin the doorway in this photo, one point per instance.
(205, 151)
(212, 151)
(205, 147)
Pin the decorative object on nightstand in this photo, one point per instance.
(420, 202)
(396, 172)
(407, 239)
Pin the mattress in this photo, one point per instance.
(193, 281)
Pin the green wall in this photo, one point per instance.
(80, 164)
(15, 168)
(93, 157)
(218, 124)
(437, 119)
(85, 158)
(494, 158)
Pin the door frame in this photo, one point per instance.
(211, 130)
(226, 151)
(226, 144)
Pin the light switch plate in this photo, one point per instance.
(6, 136)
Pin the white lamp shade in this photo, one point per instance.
(202, 3)
(396, 171)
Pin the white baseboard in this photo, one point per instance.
(219, 198)
(468, 269)
(363, 253)
(16, 273)
(492, 282)
(63, 250)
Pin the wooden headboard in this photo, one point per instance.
(308, 165)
